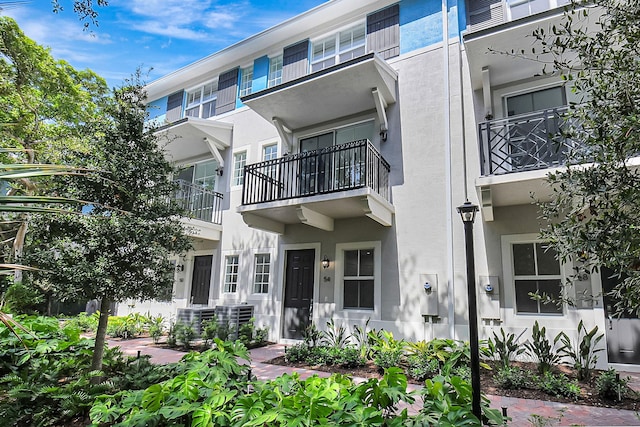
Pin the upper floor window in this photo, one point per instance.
(522, 8)
(239, 161)
(246, 80)
(201, 102)
(275, 71)
(339, 47)
(536, 271)
(203, 174)
(269, 152)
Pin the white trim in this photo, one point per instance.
(355, 314)
(507, 242)
(268, 143)
(243, 149)
(338, 30)
(252, 273)
(200, 85)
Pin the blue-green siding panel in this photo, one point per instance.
(260, 74)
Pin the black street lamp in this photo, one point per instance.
(468, 213)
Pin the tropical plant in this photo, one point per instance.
(558, 385)
(387, 350)
(583, 353)
(156, 327)
(209, 330)
(506, 347)
(447, 403)
(540, 347)
(611, 385)
(335, 336)
(363, 340)
(312, 335)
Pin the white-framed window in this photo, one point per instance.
(231, 266)
(358, 277)
(338, 47)
(239, 162)
(201, 102)
(261, 273)
(535, 270)
(269, 152)
(275, 71)
(522, 8)
(246, 80)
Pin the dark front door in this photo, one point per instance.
(623, 333)
(201, 279)
(298, 292)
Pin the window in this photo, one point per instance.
(359, 279)
(201, 102)
(275, 71)
(522, 8)
(339, 47)
(231, 273)
(239, 160)
(261, 273)
(269, 152)
(536, 270)
(246, 80)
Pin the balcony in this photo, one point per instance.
(204, 208)
(524, 142)
(317, 187)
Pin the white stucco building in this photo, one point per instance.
(324, 159)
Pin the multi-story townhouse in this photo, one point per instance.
(323, 160)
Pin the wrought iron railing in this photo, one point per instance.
(524, 142)
(200, 203)
(343, 167)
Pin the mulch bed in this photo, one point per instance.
(589, 395)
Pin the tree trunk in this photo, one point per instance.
(98, 350)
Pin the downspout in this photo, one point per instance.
(448, 172)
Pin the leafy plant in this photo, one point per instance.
(506, 347)
(514, 378)
(388, 351)
(448, 400)
(172, 336)
(225, 330)
(156, 328)
(86, 322)
(583, 354)
(209, 330)
(611, 385)
(542, 349)
(335, 336)
(245, 332)
(363, 340)
(185, 334)
(559, 385)
(312, 335)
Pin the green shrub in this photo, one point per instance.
(172, 337)
(156, 328)
(225, 330)
(335, 336)
(611, 386)
(245, 332)
(22, 299)
(86, 322)
(185, 334)
(297, 353)
(261, 335)
(421, 366)
(514, 378)
(558, 385)
(312, 335)
(388, 351)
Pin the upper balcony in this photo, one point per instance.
(364, 83)
(204, 208)
(316, 187)
(518, 152)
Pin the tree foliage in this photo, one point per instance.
(118, 247)
(85, 9)
(593, 218)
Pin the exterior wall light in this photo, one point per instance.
(180, 267)
(488, 288)
(325, 262)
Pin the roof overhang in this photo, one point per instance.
(193, 137)
(342, 90)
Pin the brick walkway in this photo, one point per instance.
(520, 410)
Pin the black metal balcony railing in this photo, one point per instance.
(525, 142)
(200, 203)
(343, 167)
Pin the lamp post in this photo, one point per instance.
(468, 213)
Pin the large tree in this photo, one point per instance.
(118, 248)
(594, 216)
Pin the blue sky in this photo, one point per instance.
(160, 34)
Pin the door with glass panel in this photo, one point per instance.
(196, 189)
(532, 126)
(314, 164)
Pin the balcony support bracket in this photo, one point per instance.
(381, 106)
(377, 211)
(214, 149)
(262, 223)
(487, 203)
(314, 219)
(285, 134)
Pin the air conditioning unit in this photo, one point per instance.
(195, 316)
(235, 315)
